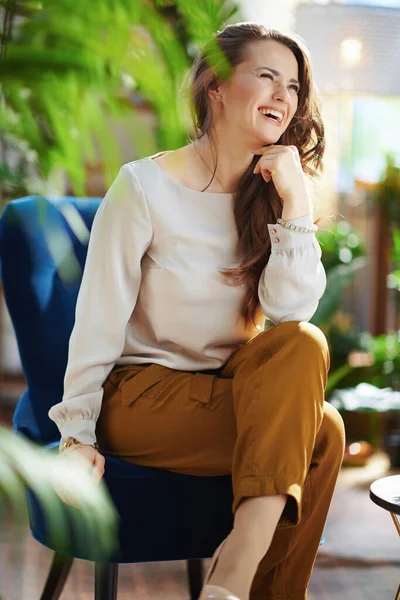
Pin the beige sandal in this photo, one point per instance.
(215, 592)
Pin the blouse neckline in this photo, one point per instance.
(182, 187)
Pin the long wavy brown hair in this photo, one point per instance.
(257, 202)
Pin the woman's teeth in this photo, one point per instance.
(273, 115)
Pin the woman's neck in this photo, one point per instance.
(233, 159)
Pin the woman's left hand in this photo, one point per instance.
(282, 165)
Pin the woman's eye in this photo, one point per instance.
(270, 76)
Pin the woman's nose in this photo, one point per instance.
(281, 93)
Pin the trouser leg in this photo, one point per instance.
(286, 569)
(278, 386)
(289, 442)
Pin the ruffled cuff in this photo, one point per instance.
(82, 430)
(76, 418)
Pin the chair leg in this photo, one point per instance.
(106, 581)
(57, 576)
(195, 577)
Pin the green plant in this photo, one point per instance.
(379, 357)
(70, 74)
(342, 257)
(57, 78)
(344, 338)
(395, 275)
(386, 348)
(386, 352)
(387, 192)
(24, 465)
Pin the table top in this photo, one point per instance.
(385, 492)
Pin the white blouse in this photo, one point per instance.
(151, 290)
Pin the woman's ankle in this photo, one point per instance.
(235, 568)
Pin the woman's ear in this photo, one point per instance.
(214, 91)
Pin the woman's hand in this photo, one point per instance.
(282, 165)
(80, 457)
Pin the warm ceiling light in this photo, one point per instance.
(350, 53)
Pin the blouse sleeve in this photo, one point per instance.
(120, 235)
(294, 279)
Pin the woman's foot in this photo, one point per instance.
(230, 574)
(216, 592)
(235, 562)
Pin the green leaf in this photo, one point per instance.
(335, 377)
(338, 278)
(23, 464)
(23, 8)
(65, 72)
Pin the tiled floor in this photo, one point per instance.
(359, 561)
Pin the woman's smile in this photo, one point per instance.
(273, 116)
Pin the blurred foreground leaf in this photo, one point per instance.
(25, 465)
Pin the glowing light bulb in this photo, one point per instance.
(350, 52)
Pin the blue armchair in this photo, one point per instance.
(163, 515)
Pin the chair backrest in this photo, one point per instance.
(43, 245)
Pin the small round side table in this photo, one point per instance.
(385, 492)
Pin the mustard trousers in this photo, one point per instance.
(261, 417)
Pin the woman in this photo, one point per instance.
(168, 361)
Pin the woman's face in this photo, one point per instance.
(266, 80)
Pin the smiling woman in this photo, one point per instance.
(253, 87)
(169, 364)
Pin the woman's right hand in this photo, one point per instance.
(83, 457)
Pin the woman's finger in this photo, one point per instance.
(98, 467)
(272, 150)
(277, 147)
(266, 164)
(265, 173)
(271, 156)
